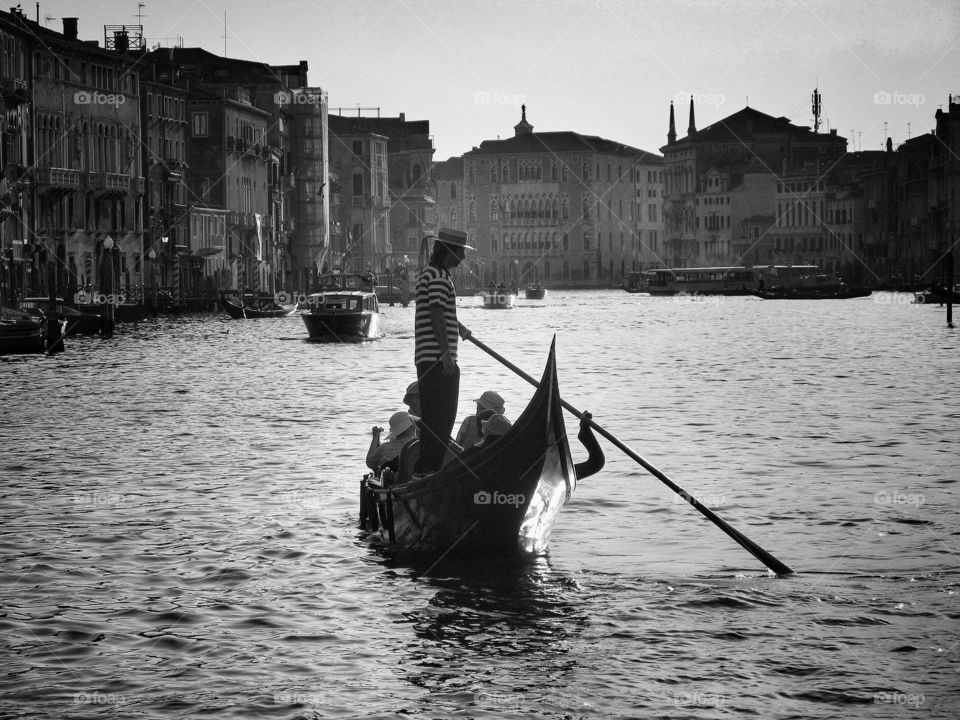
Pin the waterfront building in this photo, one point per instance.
(163, 117)
(16, 256)
(720, 183)
(448, 175)
(80, 180)
(412, 188)
(555, 206)
(275, 147)
(359, 158)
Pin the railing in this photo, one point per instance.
(65, 178)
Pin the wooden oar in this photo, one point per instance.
(758, 552)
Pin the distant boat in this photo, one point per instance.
(499, 299)
(20, 333)
(345, 310)
(829, 293)
(246, 311)
(535, 291)
(937, 294)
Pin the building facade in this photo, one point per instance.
(73, 118)
(360, 159)
(721, 181)
(558, 206)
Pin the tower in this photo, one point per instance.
(692, 127)
(672, 132)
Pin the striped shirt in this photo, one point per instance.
(434, 287)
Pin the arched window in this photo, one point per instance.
(586, 172)
(453, 191)
(493, 172)
(494, 209)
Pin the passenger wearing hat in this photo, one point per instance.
(403, 429)
(412, 398)
(436, 332)
(470, 432)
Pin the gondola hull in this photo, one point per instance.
(535, 291)
(502, 499)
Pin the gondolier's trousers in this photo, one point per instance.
(439, 396)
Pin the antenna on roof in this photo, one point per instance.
(815, 106)
(224, 34)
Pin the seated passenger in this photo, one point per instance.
(493, 428)
(470, 431)
(403, 429)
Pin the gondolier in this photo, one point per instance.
(435, 354)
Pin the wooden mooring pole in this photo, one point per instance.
(949, 260)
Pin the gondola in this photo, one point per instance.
(239, 311)
(501, 499)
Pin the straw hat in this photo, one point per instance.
(490, 400)
(400, 422)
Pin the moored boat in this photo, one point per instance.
(535, 291)
(345, 310)
(246, 310)
(20, 333)
(76, 321)
(501, 499)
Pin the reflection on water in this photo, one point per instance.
(179, 507)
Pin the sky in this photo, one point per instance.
(598, 67)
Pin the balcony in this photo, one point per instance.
(58, 180)
(109, 183)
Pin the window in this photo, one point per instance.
(358, 147)
(493, 172)
(358, 185)
(201, 124)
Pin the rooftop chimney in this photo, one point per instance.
(70, 28)
(121, 41)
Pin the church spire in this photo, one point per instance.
(692, 128)
(522, 127)
(672, 132)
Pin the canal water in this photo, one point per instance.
(180, 504)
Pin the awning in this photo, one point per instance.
(206, 252)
